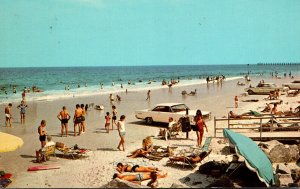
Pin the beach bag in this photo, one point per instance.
(185, 124)
(194, 127)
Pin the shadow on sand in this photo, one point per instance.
(107, 149)
(142, 123)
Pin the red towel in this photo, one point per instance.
(7, 176)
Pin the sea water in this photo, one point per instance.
(53, 81)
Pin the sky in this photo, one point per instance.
(39, 33)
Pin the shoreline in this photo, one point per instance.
(95, 90)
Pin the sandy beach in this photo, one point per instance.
(97, 168)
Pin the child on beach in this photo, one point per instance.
(22, 108)
(107, 121)
(236, 102)
(121, 129)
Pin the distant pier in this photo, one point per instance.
(278, 63)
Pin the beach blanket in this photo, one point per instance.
(153, 157)
(4, 179)
(4, 182)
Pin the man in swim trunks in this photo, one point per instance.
(77, 119)
(114, 117)
(64, 117)
(8, 115)
(83, 119)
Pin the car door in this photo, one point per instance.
(163, 114)
(266, 89)
(155, 113)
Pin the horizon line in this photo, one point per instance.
(125, 66)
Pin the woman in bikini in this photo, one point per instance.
(122, 132)
(138, 177)
(136, 168)
(42, 133)
(147, 148)
(200, 126)
(193, 159)
(107, 121)
(64, 117)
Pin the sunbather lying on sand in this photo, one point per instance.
(138, 177)
(136, 168)
(147, 148)
(251, 100)
(193, 159)
(234, 115)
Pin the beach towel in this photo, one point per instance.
(153, 158)
(206, 144)
(43, 167)
(255, 113)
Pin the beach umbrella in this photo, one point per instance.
(9, 142)
(255, 159)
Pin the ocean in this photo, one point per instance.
(53, 81)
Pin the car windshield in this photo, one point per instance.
(161, 109)
(179, 108)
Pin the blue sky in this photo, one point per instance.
(138, 32)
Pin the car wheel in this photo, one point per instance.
(149, 120)
(250, 92)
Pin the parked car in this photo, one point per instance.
(263, 88)
(294, 85)
(162, 112)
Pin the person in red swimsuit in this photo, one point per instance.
(200, 124)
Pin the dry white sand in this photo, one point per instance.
(97, 169)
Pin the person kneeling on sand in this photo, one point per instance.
(193, 159)
(267, 108)
(138, 178)
(38, 153)
(147, 148)
(275, 111)
(136, 168)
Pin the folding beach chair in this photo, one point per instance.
(47, 152)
